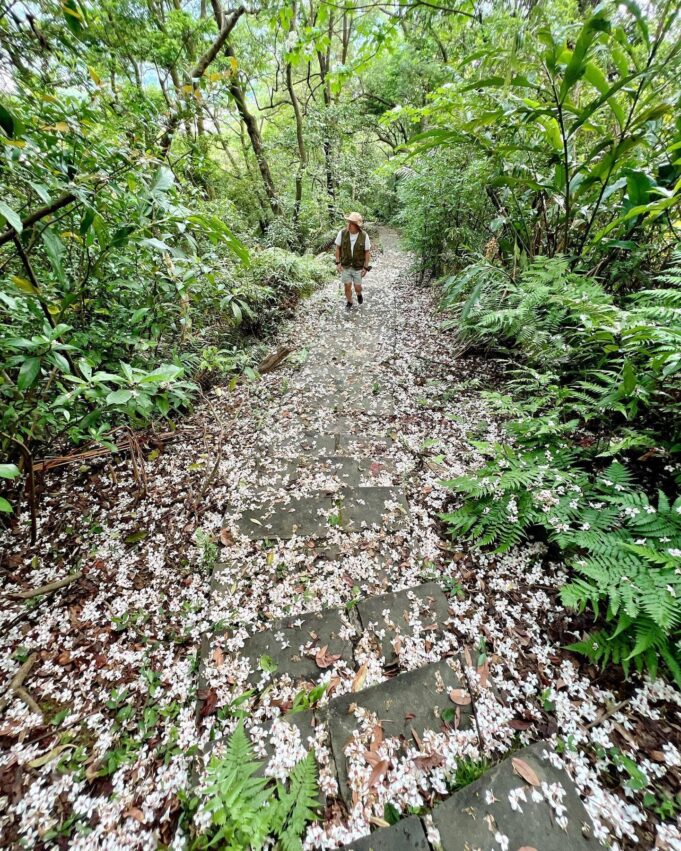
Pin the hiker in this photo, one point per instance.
(353, 253)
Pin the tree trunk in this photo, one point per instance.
(256, 139)
(324, 60)
(302, 156)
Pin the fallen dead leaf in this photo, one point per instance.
(324, 659)
(525, 771)
(136, 813)
(226, 537)
(210, 701)
(218, 657)
(371, 758)
(433, 760)
(378, 772)
(360, 677)
(459, 696)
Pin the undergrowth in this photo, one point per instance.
(248, 810)
(591, 455)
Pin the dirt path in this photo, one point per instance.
(314, 488)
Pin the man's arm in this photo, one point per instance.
(367, 262)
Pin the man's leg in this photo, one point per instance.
(346, 278)
(358, 287)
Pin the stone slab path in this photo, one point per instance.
(383, 689)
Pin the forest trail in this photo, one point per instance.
(289, 536)
(355, 653)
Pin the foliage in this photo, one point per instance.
(246, 809)
(597, 381)
(577, 121)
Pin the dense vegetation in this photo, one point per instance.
(171, 174)
(573, 135)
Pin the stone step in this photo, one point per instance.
(325, 472)
(385, 630)
(319, 514)
(404, 708)
(356, 436)
(388, 658)
(508, 807)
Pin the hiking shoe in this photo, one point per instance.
(348, 306)
(360, 298)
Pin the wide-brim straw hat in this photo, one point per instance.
(355, 217)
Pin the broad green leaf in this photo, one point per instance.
(597, 78)
(166, 372)
(577, 64)
(164, 180)
(486, 82)
(9, 122)
(638, 187)
(73, 16)
(28, 373)
(23, 284)
(9, 471)
(5, 506)
(217, 230)
(552, 132)
(12, 217)
(119, 397)
(54, 248)
(87, 220)
(121, 236)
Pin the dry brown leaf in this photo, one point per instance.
(419, 743)
(210, 698)
(218, 657)
(525, 771)
(324, 659)
(527, 848)
(136, 813)
(467, 657)
(483, 673)
(372, 758)
(376, 737)
(360, 677)
(433, 760)
(459, 696)
(226, 537)
(378, 772)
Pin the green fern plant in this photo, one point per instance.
(247, 809)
